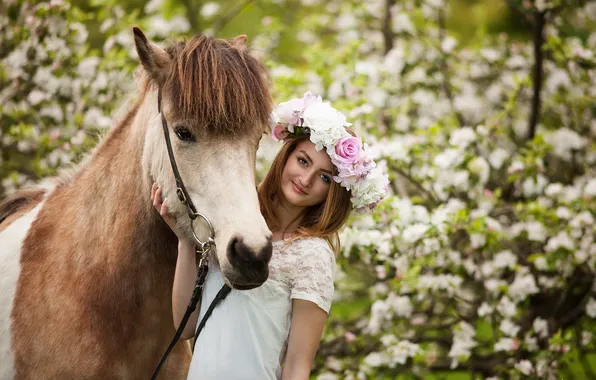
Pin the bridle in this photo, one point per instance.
(202, 248)
(181, 191)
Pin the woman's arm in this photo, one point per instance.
(186, 271)
(308, 321)
(184, 283)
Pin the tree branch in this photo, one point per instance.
(386, 28)
(428, 193)
(484, 365)
(587, 367)
(223, 21)
(192, 14)
(539, 24)
(575, 313)
(519, 11)
(445, 68)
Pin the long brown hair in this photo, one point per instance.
(323, 220)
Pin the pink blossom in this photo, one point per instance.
(280, 132)
(350, 337)
(292, 111)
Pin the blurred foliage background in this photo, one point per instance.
(481, 263)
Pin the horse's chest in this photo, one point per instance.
(11, 240)
(61, 318)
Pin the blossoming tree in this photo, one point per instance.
(482, 260)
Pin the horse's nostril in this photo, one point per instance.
(252, 266)
(266, 251)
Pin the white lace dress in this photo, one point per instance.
(246, 336)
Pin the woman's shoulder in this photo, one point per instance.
(305, 243)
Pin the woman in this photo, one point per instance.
(273, 332)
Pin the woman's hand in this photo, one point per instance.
(162, 207)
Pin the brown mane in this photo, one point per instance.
(218, 83)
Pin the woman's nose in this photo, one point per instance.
(306, 179)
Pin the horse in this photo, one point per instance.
(87, 264)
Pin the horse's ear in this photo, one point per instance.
(153, 58)
(240, 41)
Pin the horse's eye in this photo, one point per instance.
(184, 134)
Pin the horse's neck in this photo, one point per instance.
(114, 196)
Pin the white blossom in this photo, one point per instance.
(209, 9)
(506, 307)
(462, 137)
(36, 96)
(591, 308)
(400, 352)
(509, 328)
(536, 231)
(485, 309)
(590, 188)
(505, 259)
(463, 343)
(498, 157)
(480, 167)
(582, 219)
(553, 189)
(414, 232)
(327, 376)
(540, 326)
(523, 286)
(564, 141)
(561, 240)
(88, 67)
(506, 344)
(375, 359)
(525, 367)
(516, 166)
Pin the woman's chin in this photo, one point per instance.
(293, 198)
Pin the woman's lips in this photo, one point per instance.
(298, 189)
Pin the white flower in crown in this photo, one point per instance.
(292, 111)
(368, 193)
(325, 126)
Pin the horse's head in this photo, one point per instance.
(217, 104)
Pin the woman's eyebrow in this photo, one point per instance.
(307, 156)
(310, 161)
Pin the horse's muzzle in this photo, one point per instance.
(251, 268)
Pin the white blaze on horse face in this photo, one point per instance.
(10, 255)
(219, 175)
(227, 195)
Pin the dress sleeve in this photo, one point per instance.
(312, 276)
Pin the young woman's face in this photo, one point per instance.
(307, 176)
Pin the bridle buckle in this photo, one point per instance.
(181, 195)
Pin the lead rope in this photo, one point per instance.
(192, 305)
(221, 295)
(196, 297)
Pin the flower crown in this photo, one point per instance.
(356, 170)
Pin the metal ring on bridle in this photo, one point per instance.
(210, 242)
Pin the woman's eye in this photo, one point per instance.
(184, 134)
(302, 161)
(325, 178)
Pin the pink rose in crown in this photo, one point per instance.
(348, 149)
(280, 132)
